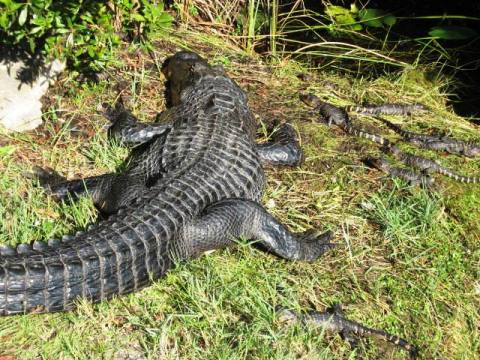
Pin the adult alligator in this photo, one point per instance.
(193, 183)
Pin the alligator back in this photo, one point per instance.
(207, 156)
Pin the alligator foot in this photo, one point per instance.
(334, 320)
(283, 149)
(128, 130)
(50, 180)
(230, 219)
(62, 189)
(45, 176)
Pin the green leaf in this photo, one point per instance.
(372, 17)
(389, 20)
(334, 10)
(31, 44)
(23, 16)
(452, 33)
(91, 51)
(137, 17)
(6, 151)
(341, 15)
(4, 23)
(35, 30)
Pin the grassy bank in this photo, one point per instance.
(408, 257)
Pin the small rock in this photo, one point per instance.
(20, 106)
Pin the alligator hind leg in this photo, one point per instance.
(109, 192)
(223, 222)
(283, 149)
(128, 130)
(62, 189)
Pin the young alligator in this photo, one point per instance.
(334, 320)
(438, 143)
(339, 117)
(430, 166)
(410, 176)
(387, 109)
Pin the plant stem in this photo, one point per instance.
(273, 27)
(251, 26)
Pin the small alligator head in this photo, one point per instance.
(330, 113)
(182, 70)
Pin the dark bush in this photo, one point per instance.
(84, 32)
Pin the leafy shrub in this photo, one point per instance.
(84, 32)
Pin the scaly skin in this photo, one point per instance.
(192, 184)
(387, 109)
(451, 146)
(338, 116)
(429, 166)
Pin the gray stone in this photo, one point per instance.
(20, 106)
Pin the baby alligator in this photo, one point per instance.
(338, 116)
(438, 143)
(334, 320)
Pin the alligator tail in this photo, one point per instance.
(115, 257)
(362, 133)
(460, 178)
(388, 109)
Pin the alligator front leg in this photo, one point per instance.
(283, 149)
(128, 130)
(227, 220)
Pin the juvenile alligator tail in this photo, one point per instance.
(461, 178)
(350, 129)
(408, 135)
(387, 109)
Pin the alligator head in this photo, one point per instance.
(182, 70)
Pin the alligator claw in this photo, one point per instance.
(317, 236)
(315, 243)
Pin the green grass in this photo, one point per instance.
(407, 259)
